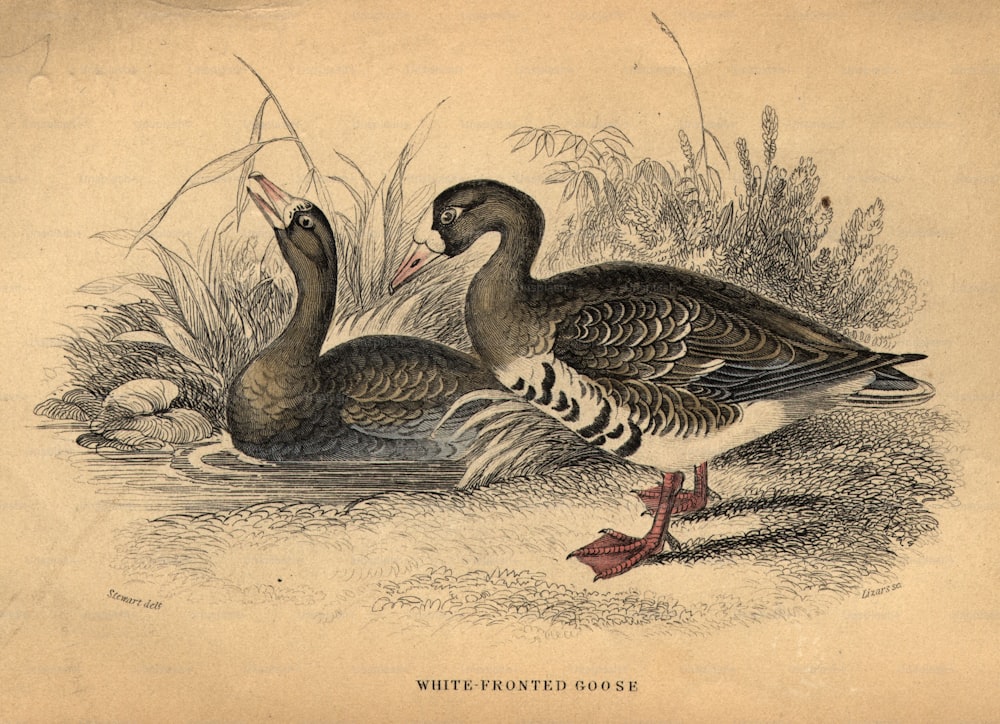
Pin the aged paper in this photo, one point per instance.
(138, 585)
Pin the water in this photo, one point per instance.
(212, 476)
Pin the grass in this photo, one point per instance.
(214, 308)
(808, 517)
(770, 235)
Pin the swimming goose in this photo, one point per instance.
(371, 398)
(664, 367)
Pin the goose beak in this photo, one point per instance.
(427, 248)
(270, 199)
(419, 257)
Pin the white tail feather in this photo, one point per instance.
(869, 397)
(485, 416)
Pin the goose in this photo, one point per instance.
(371, 398)
(664, 367)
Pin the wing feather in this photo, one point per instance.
(402, 387)
(683, 350)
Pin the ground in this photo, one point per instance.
(800, 519)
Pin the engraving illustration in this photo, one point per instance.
(420, 407)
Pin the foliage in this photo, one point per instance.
(770, 236)
(200, 322)
(593, 165)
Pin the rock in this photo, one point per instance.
(76, 404)
(142, 397)
(60, 410)
(137, 415)
(172, 426)
(134, 440)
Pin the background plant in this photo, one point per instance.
(770, 234)
(213, 308)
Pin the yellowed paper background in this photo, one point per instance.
(110, 107)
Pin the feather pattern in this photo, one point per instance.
(684, 351)
(616, 348)
(655, 364)
(400, 386)
(371, 398)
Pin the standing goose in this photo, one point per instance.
(665, 367)
(371, 398)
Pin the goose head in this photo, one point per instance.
(463, 214)
(303, 232)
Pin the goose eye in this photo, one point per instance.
(450, 214)
(306, 222)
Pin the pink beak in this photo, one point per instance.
(275, 202)
(420, 257)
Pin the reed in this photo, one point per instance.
(213, 308)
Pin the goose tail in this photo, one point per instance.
(892, 388)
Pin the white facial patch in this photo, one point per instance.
(293, 207)
(425, 235)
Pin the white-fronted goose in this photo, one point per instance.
(372, 398)
(664, 367)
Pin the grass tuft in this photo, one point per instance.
(210, 311)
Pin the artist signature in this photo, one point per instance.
(869, 592)
(141, 602)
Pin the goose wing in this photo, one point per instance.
(401, 387)
(629, 326)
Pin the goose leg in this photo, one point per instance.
(686, 501)
(614, 553)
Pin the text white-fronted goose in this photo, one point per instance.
(371, 398)
(664, 367)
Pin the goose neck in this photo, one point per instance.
(303, 336)
(521, 226)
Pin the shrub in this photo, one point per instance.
(769, 235)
